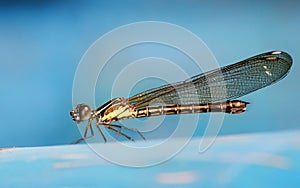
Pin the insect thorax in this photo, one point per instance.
(114, 110)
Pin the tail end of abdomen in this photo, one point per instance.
(236, 106)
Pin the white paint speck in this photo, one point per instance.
(183, 177)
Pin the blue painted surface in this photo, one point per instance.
(249, 160)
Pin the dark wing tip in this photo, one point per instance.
(282, 55)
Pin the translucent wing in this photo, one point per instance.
(228, 82)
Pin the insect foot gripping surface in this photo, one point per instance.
(236, 106)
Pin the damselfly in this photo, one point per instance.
(199, 94)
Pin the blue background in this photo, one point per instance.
(42, 42)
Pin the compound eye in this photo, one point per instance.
(84, 111)
(81, 113)
(74, 114)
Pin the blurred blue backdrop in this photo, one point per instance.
(42, 42)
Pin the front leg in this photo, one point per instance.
(89, 126)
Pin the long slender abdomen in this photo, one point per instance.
(231, 107)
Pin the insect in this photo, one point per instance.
(199, 94)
